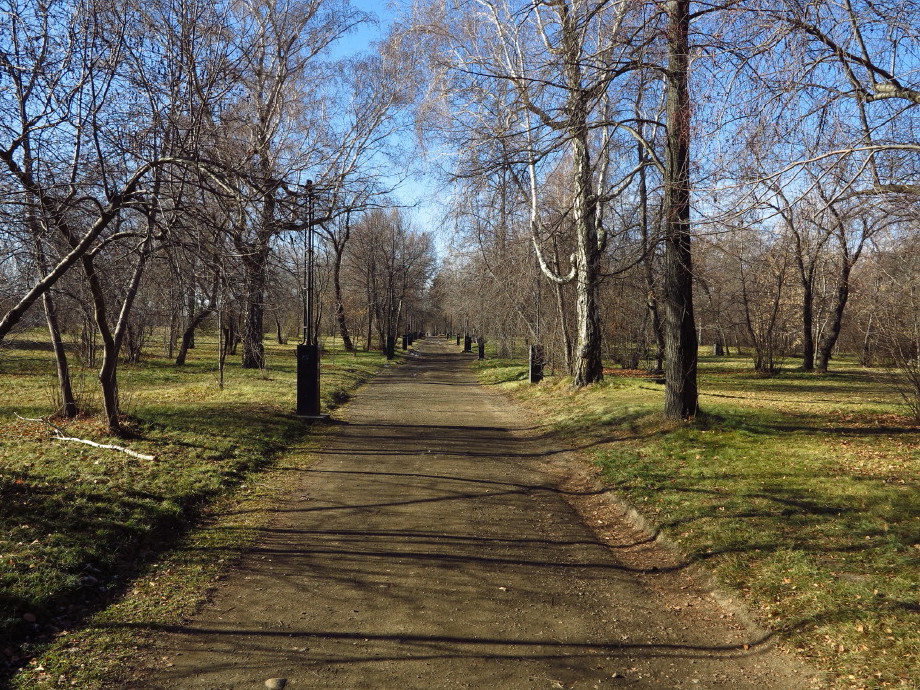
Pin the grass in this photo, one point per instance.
(801, 493)
(79, 525)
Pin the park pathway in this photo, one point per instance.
(427, 549)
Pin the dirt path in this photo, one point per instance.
(430, 548)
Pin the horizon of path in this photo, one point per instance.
(433, 545)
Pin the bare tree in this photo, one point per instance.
(808, 240)
(680, 338)
(61, 59)
(392, 266)
(528, 89)
(270, 129)
(866, 54)
(851, 230)
(763, 265)
(372, 93)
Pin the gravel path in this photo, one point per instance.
(437, 545)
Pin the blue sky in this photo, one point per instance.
(418, 193)
(361, 38)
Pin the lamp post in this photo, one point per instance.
(537, 354)
(308, 350)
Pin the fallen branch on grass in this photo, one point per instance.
(60, 436)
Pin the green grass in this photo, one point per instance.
(501, 371)
(78, 524)
(800, 492)
(167, 590)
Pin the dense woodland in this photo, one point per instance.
(626, 181)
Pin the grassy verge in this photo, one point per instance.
(801, 493)
(80, 525)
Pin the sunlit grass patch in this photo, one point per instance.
(78, 524)
(495, 371)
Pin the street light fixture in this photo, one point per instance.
(308, 350)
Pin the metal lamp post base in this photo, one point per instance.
(308, 383)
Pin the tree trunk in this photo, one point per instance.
(807, 282)
(658, 331)
(749, 323)
(112, 339)
(808, 333)
(87, 340)
(188, 336)
(681, 401)
(253, 320)
(339, 302)
(255, 266)
(190, 310)
(647, 261)
(108, 371)
(68, 407)
(826, 346)
(108, 381)
(587, 365)
(231, 334)
(563, 317)
(221, 348)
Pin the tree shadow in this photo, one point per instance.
(67, 576)
(86, 537)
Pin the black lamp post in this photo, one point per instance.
(308, 350)
(537, 354)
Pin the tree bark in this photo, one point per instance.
(826, 346)
(112, 339)
(68, 407)
(807, 282)
(564, 327)
(587, 365)
(108, 370)
(681, 398)
(190, 310)
(253, 330)
(647, 262)
(188, 336)
(808, 333)
(340, 319)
